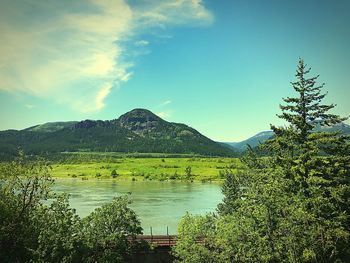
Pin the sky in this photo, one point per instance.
(219, 66)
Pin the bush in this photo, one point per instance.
(114, 173)
(188, 173)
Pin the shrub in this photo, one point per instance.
(114, 173)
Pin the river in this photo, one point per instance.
(158, 204)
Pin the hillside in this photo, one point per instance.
(51, 126)
(265, 135)
(136, 131)
(252, 141)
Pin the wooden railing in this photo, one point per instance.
(157, 240)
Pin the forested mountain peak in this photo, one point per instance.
(141, 121)
(141, 115)
(138, 130)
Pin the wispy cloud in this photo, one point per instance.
(167, 102)
(164, 114)
(174, 12)
(141, 43)
(162, 109)
(97, 99)
(73, 52)
(30, 106)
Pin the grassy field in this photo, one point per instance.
(141, 168)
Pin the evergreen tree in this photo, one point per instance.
(304, 112)
(291, 205)
(317, 165)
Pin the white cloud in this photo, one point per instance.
(73, 52)
(97, 102)
(173, 12)
(141, 43)
(165, 102)
(163, 114)
(102, 94)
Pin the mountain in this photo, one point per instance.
(51, 126)
(265, 135)
(136, 131)
(340, 127)
(252, 141)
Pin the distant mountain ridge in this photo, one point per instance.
(252, 141)
(139, 130)
(265, 135)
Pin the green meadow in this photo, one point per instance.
(143, 167)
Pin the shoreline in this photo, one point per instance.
(127, 179)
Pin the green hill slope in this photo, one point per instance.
(136, 131)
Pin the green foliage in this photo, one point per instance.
(107, 228)
(188, 173)
(24, 183)
(232, 192)
(60, 237)
(290, 206)
(145, 168)
(195, 235)
(114, 173)
(32, 231)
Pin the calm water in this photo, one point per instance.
(158, 204)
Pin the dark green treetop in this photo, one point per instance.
(306, 111)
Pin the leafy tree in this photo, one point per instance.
(195, 234)
(107, 230)
(60, 237)
(34, 231)
(25, 182)
(292, 205)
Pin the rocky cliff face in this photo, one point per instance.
(88, 124)
(141, 121)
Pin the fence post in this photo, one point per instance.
(151, 234)
(167, 233)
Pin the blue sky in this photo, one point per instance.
(220, 66)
